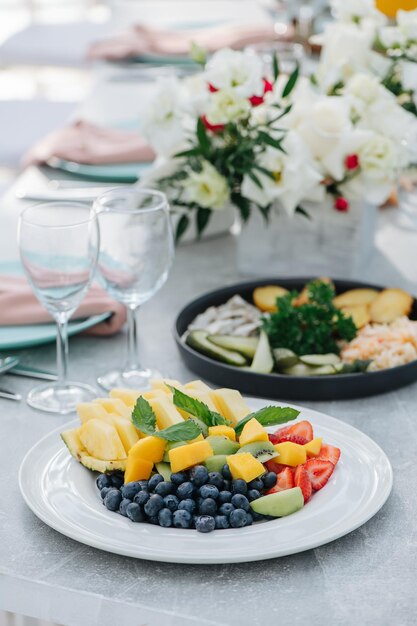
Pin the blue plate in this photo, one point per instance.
(15, 337)
(114, 173)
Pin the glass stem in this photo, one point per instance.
(62, 349)
(133, 339)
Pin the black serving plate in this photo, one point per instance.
(278, 386)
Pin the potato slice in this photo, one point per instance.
(302, 298)
(389, 305)
(265, 297)
(355, 297)
(359, 313)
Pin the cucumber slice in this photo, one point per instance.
(197, 339)
(263, 363)
(358, 366)
(284, 358)
(243, 345)
(300, 369)
(320, 359)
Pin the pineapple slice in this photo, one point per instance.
(126, 431)
(90, 410)
(230, 404)
(71, 438)
(104, 467)
(196, 385)
(115, 406)
(162, 384)
(165, 411)
(101, 440)
(129, 396)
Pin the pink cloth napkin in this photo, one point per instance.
(83, 142)
(142, 40)
(19, 306)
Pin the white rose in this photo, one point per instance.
(227, 106)
(163, 121)
(355, 10)
(196, 95)
(363, 87)
(391, 36)
(230, 69)
(387, 117)
(295, 176)
(207, 188)
(407, 23)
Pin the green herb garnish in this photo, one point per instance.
(269, 416)
(144, 419)
(315, 327)
(180, 432)
(143, 416)
(197, 408)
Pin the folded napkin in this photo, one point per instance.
(141, 40)
(83, 142)
(19, 306)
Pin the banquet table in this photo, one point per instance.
(366, 577)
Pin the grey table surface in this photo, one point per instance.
(367, 577)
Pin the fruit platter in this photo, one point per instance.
(189, 461)
(307, 338)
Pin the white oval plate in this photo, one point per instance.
(63, 494)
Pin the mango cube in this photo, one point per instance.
(252, 431)
(150, 448)
(313, 447)
(184, 457)
(290, 453)
(245, 466)
(137, 469)
(166, 413)
(230, 404)
(226, 431)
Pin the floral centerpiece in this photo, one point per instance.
(241, 133)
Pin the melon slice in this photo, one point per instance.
(101, 440)
(280, 503)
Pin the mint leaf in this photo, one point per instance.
(197, 408)
(269, 416)
(143, 416)
(180, 432)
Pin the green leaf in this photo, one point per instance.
(270, 141)
(299, 209)
(203, 218)
(182, 226)
(275, 66)
(243, 204)
(255, 179)
(180, 432)
(143, 416)
(202, 137)
(197, 408)
(291, 82)
(269, 416)
(188, 153)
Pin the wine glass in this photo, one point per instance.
(58, 244)
(136, 254)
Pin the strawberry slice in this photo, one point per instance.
(285, 480)
(318, 472)
(302, 480)
(329, 453)
(272, 466)
(300, 429)
(293, 438)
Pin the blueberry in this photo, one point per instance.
(154, 505)
(165, 518)
(199, 475)
(130, 490)
(178, 478)
(227, 474)
(205, 524)
(226, 509)
(257, 517)
(224, 496)
(253, 494)
(240, 501)
(209, 491)
(134, 512)
(144, 485)
(216, 479)
(269, 480)
(239, 486)
(171, 502)
(141, 498)
(104, 481)
(153, 520)
(165, 488)
(185, 491)
(256, 484)
(249, 519)
(221, 522)
(112, 499)
(208, 507)
(238, 518)
(187, 505)
(105, 491)
(117, 480)
(182, 519)
(154, 480)
(123, 505)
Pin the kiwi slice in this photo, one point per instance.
(222, 444)
(215, 463)
(261, 450)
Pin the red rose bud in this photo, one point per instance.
(352, 162)
(257, 100)
(214, 128)
(212, 88)
(341, 204)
